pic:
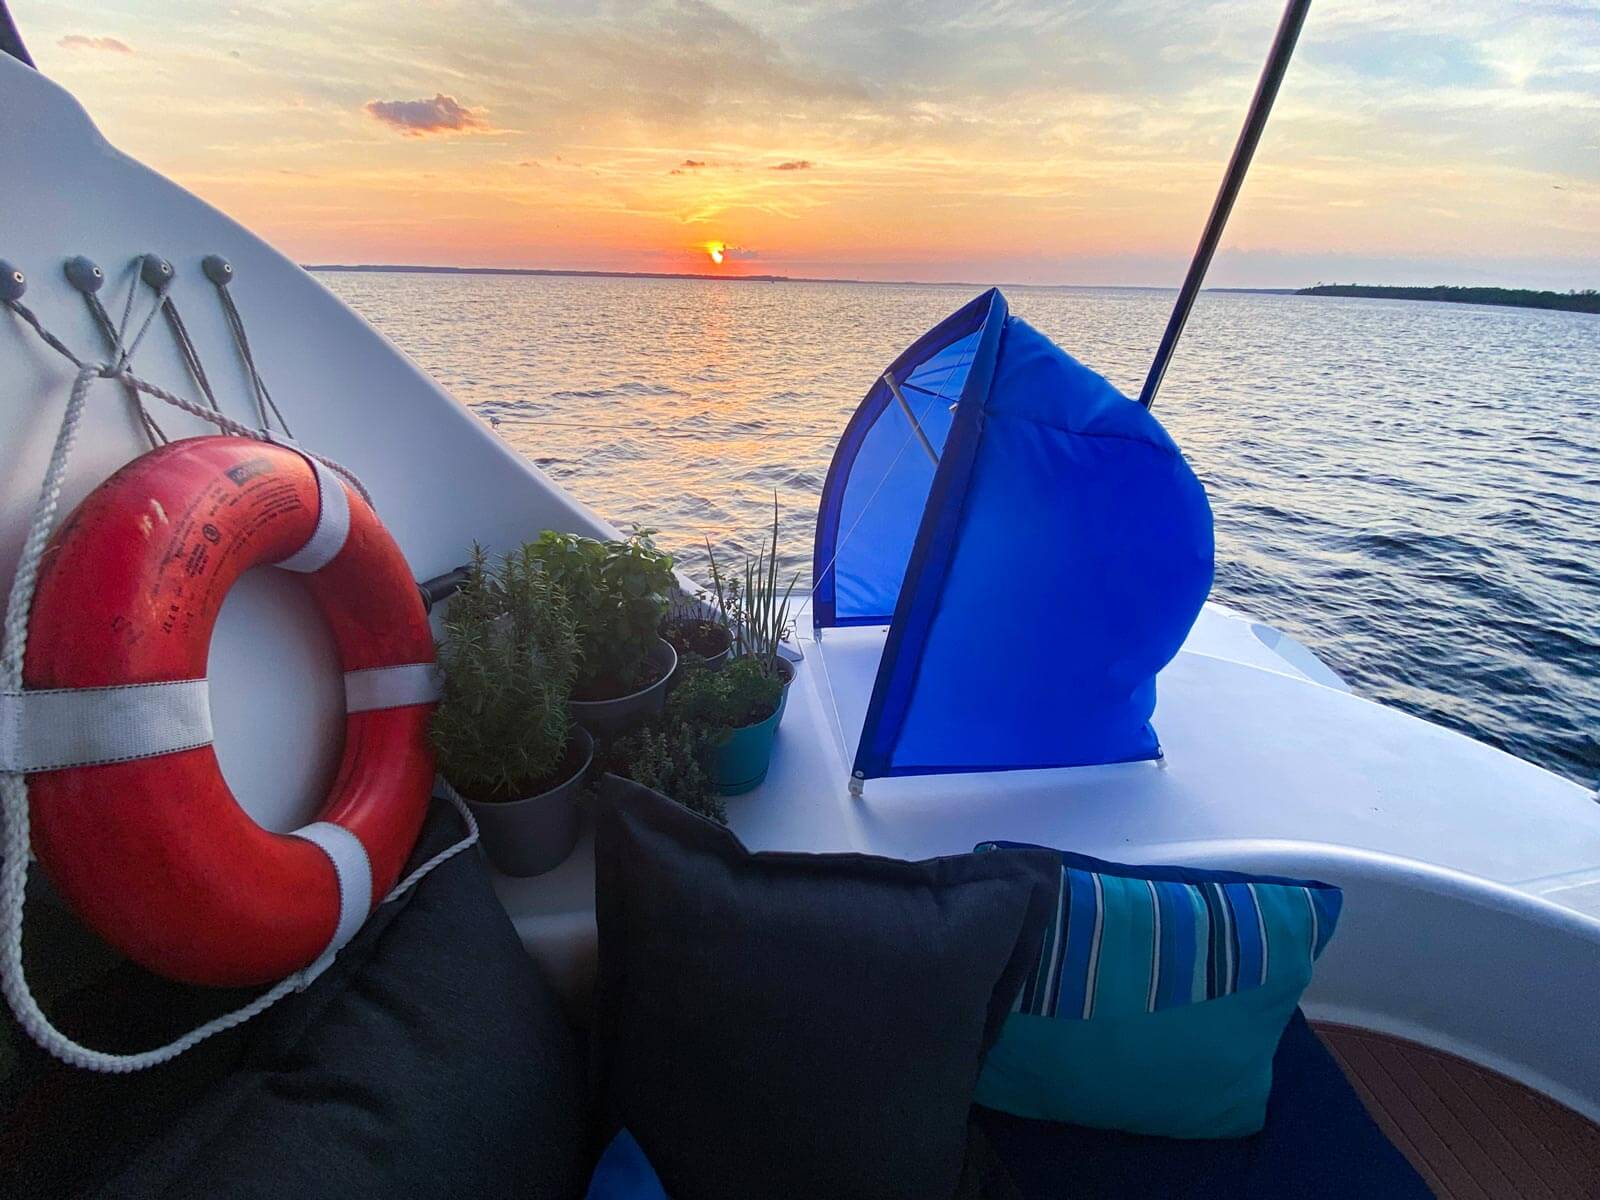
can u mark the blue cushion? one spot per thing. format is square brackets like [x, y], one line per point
[624, 1173]
[1318, 1143]
[1159, 998]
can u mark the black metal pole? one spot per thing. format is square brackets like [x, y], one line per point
[1294, 16]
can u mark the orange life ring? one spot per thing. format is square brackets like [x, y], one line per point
[150, 847]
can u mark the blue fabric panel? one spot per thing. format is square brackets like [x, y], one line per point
[1248, 933]
[1318, 1143]
[1177, 945]
[1074, 955]
[888, 487]
[624, 1173]
[1064, 554]
[886, 475]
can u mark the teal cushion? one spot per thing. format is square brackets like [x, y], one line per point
[1158, 999]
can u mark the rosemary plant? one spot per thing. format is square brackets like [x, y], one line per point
[510, 654]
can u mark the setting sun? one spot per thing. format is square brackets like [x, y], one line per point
[715, 250]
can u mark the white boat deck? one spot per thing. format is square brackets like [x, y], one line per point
[1255, 752]
[1267, 769]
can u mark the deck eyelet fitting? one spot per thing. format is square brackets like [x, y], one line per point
[12, 282]
[217, 269]
[83, 274]
[156, 271]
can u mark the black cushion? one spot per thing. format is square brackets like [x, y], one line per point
[429, 1060]
[798, 1025]
[1319, 1143]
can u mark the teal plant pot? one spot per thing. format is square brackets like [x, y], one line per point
[743, 759]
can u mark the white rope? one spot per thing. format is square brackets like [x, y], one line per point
[228, 424]
[411, 880]
[14, 844]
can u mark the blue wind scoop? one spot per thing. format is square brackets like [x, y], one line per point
[1035, 541]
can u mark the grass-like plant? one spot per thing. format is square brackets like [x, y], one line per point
[618, 592]
[510, 654]
[752, 605]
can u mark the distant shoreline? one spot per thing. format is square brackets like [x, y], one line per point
[1584, 302]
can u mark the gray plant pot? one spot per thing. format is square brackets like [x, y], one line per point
[535, 834]
[720, 660]
[717, 661]
[605, 718]
[710, 664]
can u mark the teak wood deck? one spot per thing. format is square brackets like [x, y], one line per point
[1473, 1134]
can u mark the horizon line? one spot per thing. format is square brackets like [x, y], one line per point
[425, 269]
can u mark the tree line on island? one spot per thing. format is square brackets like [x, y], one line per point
[1587, 301]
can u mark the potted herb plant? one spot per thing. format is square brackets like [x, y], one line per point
[752, 607]
[694, 626]
[737, 710]
[618, 592]
[674, 757]
[748, 698]
[502, 730]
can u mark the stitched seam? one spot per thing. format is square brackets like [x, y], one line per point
[84, 691]
[106, 762]
[366, 860]
[12, 746]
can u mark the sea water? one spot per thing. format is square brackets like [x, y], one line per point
[1411, 489]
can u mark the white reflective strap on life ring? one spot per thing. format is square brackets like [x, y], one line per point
[333, 524]
[392, 687]
[50, 729]
[354, 872]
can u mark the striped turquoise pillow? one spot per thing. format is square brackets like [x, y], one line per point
[1158, 999]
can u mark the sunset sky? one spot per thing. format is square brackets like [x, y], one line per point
[985, 140]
